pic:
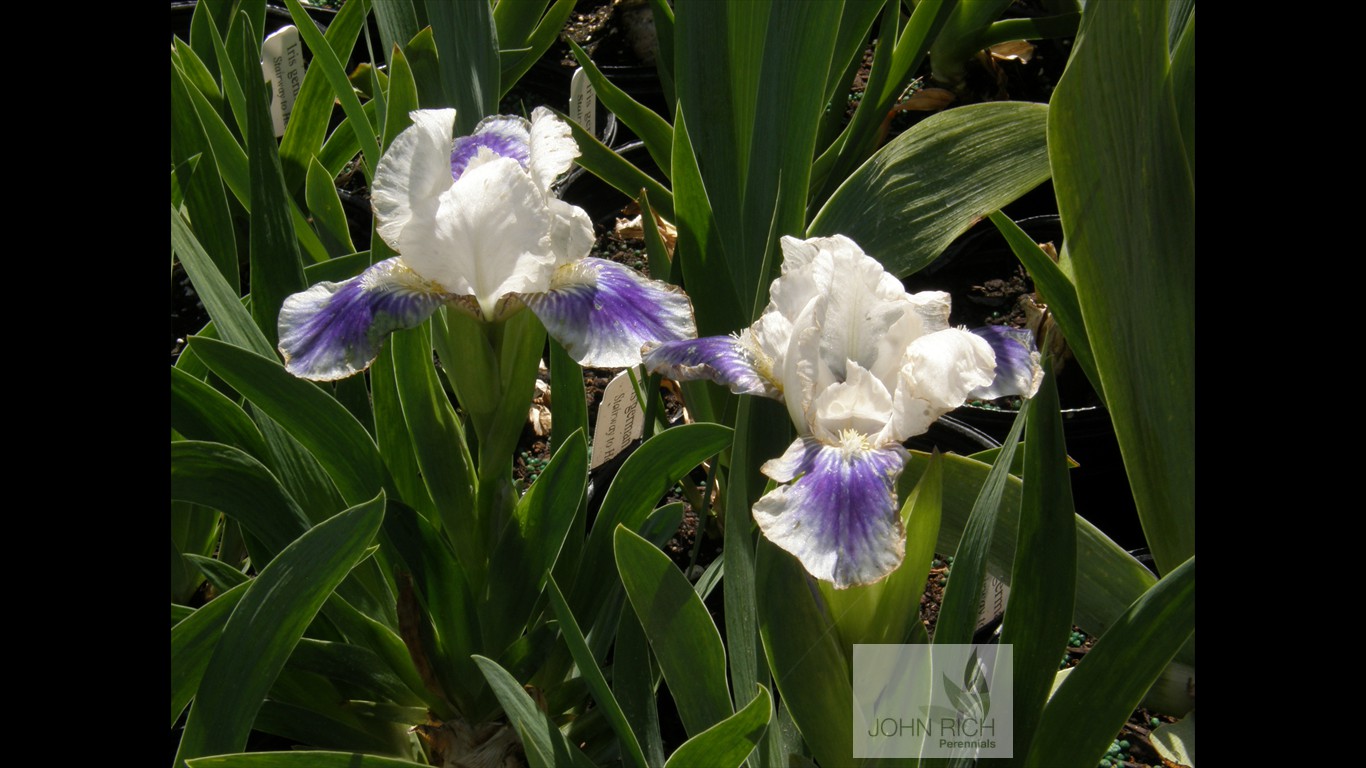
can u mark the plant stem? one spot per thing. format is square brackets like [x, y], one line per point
[1039, 27]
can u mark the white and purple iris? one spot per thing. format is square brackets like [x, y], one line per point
[862, 366]
[477, 228]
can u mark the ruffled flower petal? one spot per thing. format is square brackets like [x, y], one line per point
[494, 137]
[489, 238]
[411, 176]
[802, 370]
[553, 149]
[860, 404]
[861, 295]
[474, 222]
[603, 312]
[932, 308]
[571, 232]
[731, 361]
[940, 370]
[334, 330]
[840, 518]
[927, 312]
[1017, 363]
[803, 277]
[944, 367]
[466, 213]
[862, 365]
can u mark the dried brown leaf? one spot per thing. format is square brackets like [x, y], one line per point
[1014, 50]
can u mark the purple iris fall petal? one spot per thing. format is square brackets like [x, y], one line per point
[1017, 363]
[726, 360]
[840, 518]
[334, 330]
[603, 312]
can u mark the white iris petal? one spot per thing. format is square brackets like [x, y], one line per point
[862, 366]
[861, 349]
[475, 221]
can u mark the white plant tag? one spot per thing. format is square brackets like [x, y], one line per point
[994, 597]
[583, 102]
[620, 420]
[282, 65]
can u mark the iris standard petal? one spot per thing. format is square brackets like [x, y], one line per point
[840, 518]
[730, 361]
[412, 175]
[800, 281]
[861, 296]
[494, 137]
[553, 148]
[490, 237]
[603, 312]
[334, 330]
[1017, 363]
[932, 308]
[928, 312]
[802, 373]
[571, 231]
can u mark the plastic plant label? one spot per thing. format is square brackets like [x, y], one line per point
[993, 604]
[282, 65]
[1175, 742]
[583, 102]
[946, 701]
[620, 420]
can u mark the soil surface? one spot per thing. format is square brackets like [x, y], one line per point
[1131, 747]
[598, 27]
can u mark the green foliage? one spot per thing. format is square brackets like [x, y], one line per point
[926, 187]
[273, 613]
[1056, 289]
[730, 741]
[1126, 192]
[307, 126]
[276, 271]
[805, 656]
[597, 683]
[439, 589]
[681, 633]
[545, 745]
[1078, 724]
[958, 614]
[322, 424]
[644, 479]
[1043, 577]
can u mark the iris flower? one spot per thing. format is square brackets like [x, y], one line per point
[862, 366]
[477, 228]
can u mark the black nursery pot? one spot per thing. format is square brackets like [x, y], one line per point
[599, 199]
[984, 278]
[620, 47]
[950, 435]
[277, 16]
[640, 83]
[545, 87]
